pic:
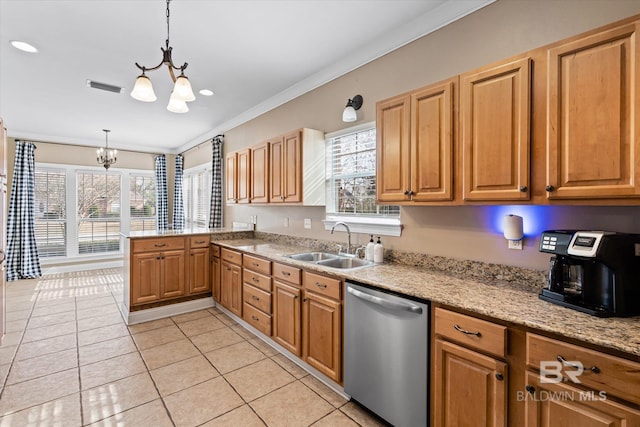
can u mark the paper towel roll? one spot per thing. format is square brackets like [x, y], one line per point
[512, 227]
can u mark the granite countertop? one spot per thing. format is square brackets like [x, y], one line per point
[511, 302]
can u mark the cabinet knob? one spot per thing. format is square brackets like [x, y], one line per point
[405, 192]
[411, 192]
[524, 189]
[549, 188]
[499, 376]
[282, 197]
[530, 389]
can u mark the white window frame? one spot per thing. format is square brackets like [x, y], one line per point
[189, 220]
[367, 224]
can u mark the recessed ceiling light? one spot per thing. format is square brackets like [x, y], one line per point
[206, 92]
[24, 46]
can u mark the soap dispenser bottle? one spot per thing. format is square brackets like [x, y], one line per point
[368, 252]
[378, 251]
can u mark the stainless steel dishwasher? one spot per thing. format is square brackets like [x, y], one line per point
[386, 341]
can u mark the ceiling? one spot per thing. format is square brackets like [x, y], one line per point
[254, 54]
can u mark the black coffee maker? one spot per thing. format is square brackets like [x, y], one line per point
[596, 272]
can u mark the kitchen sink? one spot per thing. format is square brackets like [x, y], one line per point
[326, 259]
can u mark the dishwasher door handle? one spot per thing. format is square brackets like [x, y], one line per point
[385, 303]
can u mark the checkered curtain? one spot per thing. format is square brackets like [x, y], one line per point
[162, 198]
[215, 216]
[178, 204]
[23, 261]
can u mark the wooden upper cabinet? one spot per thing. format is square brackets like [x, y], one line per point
[495, 134]
[286, 169]
[238, 176]
[593, 123]
[231, 183]
[393, 119]
[260, 173]
[276, 169]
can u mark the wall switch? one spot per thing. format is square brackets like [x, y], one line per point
[285, 222]
[515, 244]
[307, 223]
[254, 219]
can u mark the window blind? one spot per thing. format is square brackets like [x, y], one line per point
[51, 212]
[142, 199]
[98, 212]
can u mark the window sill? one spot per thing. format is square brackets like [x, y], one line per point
[377, 226]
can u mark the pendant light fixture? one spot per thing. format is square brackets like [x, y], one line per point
[182, 92]
[106, 157]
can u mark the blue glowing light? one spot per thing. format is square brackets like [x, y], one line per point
[535, 219]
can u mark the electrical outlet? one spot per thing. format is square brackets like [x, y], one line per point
[254, 219]
[307, 223]
[285, 222]
[515, 244]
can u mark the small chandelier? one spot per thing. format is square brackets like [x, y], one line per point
[182, 92]
[106, 157]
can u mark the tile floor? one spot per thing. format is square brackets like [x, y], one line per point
[68, 359]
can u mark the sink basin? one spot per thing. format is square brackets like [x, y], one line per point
[313, 256]
[345, 263]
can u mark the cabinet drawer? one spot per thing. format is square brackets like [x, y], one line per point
[199, 241]
[257, 280]
[257, 264]
[155, 245]
[231, 256]
[286, 273]
[257, 298]
[215, 250]
[322, 285]
[475, 333]
[257, 319]
[602, 372]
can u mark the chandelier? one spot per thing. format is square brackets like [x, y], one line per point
[182, 92]
[106, 156]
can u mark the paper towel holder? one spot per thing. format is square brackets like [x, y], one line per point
[512, 228]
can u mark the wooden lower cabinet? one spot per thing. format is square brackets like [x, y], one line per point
[172, 268]
[199, 271]
[231, 287]
[469, 388]
[322, 334]
[157, 275]
[287, 316]
[215, 269]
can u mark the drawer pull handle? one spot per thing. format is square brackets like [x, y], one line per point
[160, 245]
[255, 298]
[255, 318]
[255, 264]
[565, 362]
[459, 329]
[321, 285]
[255, 279]
[199, 242]
[286, 273]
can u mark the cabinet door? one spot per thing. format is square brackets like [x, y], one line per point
[469, 389]
[215, 271]
[561, 405]
[231, 287]
[322, 334]
[199, 271]
[173, 274]
[286, 313]
[292, 163]
[260, 173]
[593, 116]
[243, 178]
[230, 174]
[276, 170]
[494, 119]
[432, 110]
[393, 149]
[145, 277]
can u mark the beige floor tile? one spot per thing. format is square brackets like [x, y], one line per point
[104, 333]
[15, 325]
[64, 411]
[100, 321]
[289, 366]
[112, 398]
[6, 354]
[40, 366]
[52, 319]
[256, 380]
[97, 311]
[292, 405]
[214, 310]
[147, 326]
[184, 374]
[263, 347]
[201, 325]
[157, 337]
[361, 416]
[226, 319]
[37, 391]
[51, 331]
[216, 339]
[186, 406]
[53, 298]
[19, 306]
[11, 339]
[166, 354]
[110, 370]
[242, 416]
[94, 300]
[90, 292]
[4, 370]
[17, 315]
[23, 297]
[105, 350]
[324, 391]
[336, 418]
[46, 346]
[242, 332]
[230, 358]
[58, 308]
[186, 317]
[152, 414]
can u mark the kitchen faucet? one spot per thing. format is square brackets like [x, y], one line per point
[348, 234]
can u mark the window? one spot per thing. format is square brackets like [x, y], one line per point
[50, 212]
[196, 189]
[351, 186]
[142, 202]
[98, 212]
